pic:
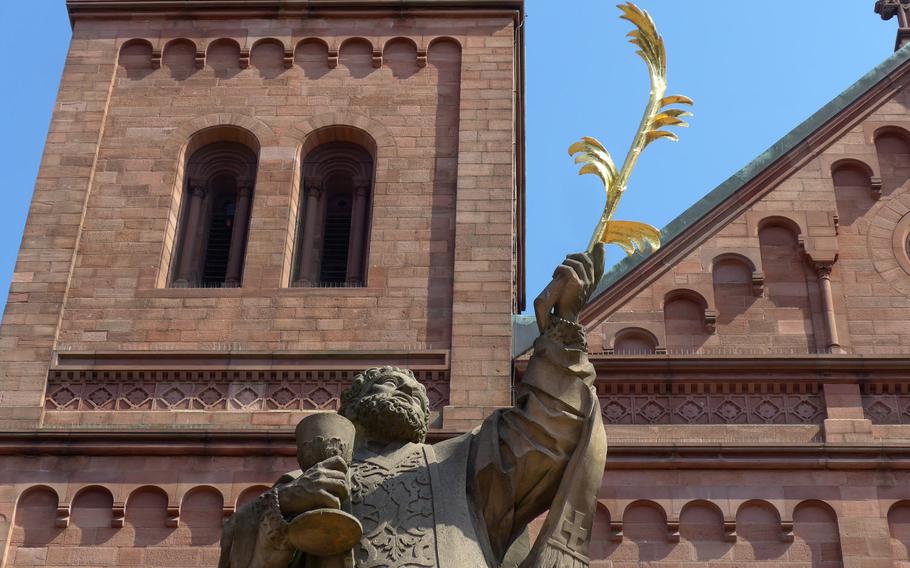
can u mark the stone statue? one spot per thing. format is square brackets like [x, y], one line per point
[464, 502]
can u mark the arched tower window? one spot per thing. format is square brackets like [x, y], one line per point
[334, 216]
[215, 216]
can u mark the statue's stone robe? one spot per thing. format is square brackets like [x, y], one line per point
[462, 502]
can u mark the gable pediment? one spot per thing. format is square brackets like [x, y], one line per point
[789, 255]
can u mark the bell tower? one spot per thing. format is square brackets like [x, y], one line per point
[240, 205]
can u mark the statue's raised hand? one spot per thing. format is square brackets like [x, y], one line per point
[573, 282]
[325, 485]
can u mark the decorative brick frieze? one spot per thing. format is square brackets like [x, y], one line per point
[886, 403]
[212, 390]
[707, 403]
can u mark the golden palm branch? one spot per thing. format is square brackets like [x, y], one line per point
[631, 235]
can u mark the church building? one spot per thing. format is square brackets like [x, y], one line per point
[241, 205]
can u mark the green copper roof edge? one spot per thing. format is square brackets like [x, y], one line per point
[520, 324]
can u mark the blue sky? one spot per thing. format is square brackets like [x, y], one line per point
[755, 71]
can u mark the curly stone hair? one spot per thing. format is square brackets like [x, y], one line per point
[364, 381]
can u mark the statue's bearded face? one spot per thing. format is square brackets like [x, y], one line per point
[389, 404]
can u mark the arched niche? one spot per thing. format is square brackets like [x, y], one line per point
[223, 56]
[179, 56]
[146, 513]
[705, 520]
[356, 54]
[335, 208]
[92, 514]
[135, 58]
[899, 529]
[312, 55]
[267, 56]
[787, 279]
[852, 182]
[701, 528]
[815, 527]
[202, 515]
[603, 545]
[215, 209]
[644, 527]
[758, 526]
[892, 144]
[734, 280]
[444, 56]
[35, 522]
[249, 494]
[685, 314]
[634, 341]
[400, 55]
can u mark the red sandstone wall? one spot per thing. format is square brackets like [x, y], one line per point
[93, 266]
[751, 287]
[168, 512]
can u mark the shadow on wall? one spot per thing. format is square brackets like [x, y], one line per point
[852, 182]
[36, 515]
[223, 57]
[180, 58]
[146, 515]
[136, 59]
[684, 320]
[733, 295]
[91, 516]
[760, 540]
[400, 55]
[892, 144]
[445, 61]
[312, 55]
[357, 55]
[786, 280]
[202, 513]
[267, 56]
[899, 527]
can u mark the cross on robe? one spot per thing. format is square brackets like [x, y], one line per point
[576, 532]
[887, 9]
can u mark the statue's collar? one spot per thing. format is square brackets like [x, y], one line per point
[383, 454]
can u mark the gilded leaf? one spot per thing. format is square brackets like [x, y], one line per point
[630, 235]
[658, 134]
[665, 120]
[596, 158]
[676, 112]
[646, 37]
[676, 99]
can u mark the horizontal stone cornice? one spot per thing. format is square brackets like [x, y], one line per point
[621, 456]
[286, 8]
[767, 365]
[248, 360]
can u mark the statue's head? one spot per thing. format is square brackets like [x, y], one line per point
[389, 404]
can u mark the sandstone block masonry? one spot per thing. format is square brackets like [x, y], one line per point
[437, 96]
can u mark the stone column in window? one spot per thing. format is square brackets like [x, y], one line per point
[309, 271]
[356, 271]
[239, 232]
[189, 253]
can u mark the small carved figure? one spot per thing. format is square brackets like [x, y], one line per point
[464, 502]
